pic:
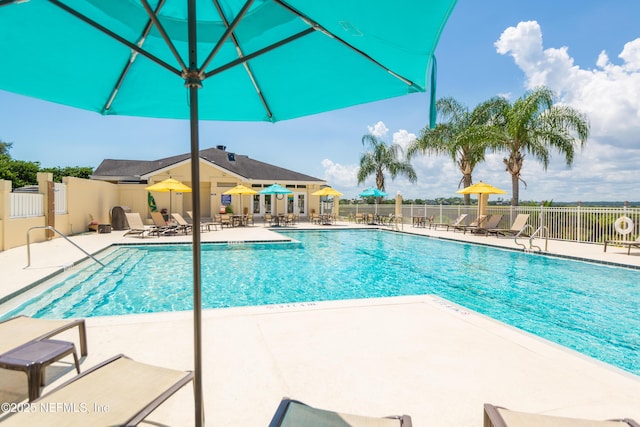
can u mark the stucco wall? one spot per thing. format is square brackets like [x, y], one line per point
[88, 199]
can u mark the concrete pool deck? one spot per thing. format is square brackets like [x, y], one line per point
[419, 355]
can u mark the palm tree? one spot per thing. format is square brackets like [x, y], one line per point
[464, 136]
[534, 125]
[383, 158]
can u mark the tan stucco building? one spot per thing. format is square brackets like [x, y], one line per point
[220, 170]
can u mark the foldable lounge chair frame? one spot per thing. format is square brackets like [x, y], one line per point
[24, 329]
[475, 224]
[495, 416]
[628, 243]
[518, 225]
[116, 382]
[455, 223]
[292, 413]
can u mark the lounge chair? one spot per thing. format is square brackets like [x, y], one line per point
[22, 329]
[495, 416]
[183, 225]
[516, 228]
[160, 224]
[136, 226]
[627, 243]
[292, 413]
[491, 223]
[475, 224]
[456, 222]
[117, 392]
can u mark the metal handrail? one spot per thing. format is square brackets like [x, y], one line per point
[546, 240]
[48, 227]
[515, 239]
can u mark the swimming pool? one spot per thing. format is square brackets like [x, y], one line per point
[587, 307]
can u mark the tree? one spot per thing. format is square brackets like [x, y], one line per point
[534, 125]
[383, 158]
[4, 147]
[19, 172]
[75, 171]
[463, 135]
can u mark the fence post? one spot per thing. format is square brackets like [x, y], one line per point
[579, 222]
[5, 211]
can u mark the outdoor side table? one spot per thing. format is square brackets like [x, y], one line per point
[32, 358]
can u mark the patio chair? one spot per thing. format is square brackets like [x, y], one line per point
[22, 329]
[136, 226]
[456, 222]
[292, 413]
[495, 416]
[127, 390]
[516, 228]
[627, 243]
[183, 225]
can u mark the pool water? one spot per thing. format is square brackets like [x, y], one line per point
[588, 307]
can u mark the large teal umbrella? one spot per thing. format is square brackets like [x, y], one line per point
[373, 192]
[218, 60]
[276, 190]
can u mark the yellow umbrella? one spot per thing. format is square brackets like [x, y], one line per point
[327, 191]
[169, 185]
[482, 189]
[240, 190]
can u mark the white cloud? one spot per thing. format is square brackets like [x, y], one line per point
[610, 96]
[379, 130]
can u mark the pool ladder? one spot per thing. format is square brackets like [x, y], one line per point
[48, 227]
[539, 233]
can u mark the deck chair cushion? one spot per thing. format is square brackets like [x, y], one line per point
[500, 417]
[131, 390]
[22, 329]
[292, 413]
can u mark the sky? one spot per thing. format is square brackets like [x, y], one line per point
[586, 51]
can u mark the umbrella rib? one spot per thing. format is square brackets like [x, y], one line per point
[133, 57]
[115, 36]
[163, 33]
[316, 26]
[227, 33]
[259, 52]
[246, 64]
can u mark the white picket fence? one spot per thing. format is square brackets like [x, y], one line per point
[25, 205]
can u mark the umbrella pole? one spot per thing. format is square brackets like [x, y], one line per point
[193, 82]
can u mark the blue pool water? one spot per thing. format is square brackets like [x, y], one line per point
[587, 307]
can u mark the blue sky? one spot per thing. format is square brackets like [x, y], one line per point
[586, 51]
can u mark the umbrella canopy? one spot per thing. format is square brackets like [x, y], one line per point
[373, 192]
[327, 191]
[255, 60]
[169, 185]
[482, 189]
[261, 60]
[275, 189]
[240, 190]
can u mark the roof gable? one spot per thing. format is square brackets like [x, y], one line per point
[237, 164]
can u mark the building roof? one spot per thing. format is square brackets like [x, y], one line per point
[241, 165]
